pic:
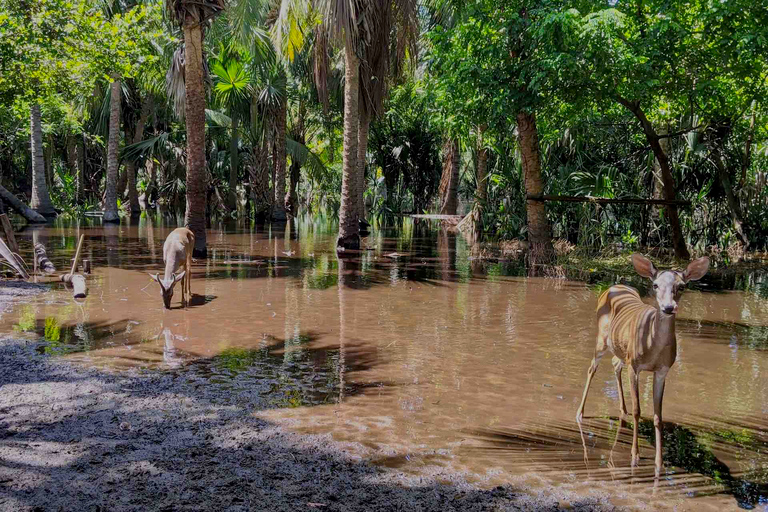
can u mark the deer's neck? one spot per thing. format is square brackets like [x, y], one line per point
[664, 328]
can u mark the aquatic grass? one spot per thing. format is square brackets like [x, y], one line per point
[27, 319]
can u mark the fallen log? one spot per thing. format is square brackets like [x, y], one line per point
[25, 211]
[77, 282]
[42, 261]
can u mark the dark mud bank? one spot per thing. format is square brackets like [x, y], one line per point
[88, 439]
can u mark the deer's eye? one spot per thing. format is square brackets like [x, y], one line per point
[655, 286]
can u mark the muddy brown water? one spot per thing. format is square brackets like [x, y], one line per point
[426, 358]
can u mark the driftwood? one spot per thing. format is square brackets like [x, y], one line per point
[42, 261]
[10, 257]
[27, 212]
[77, 282]
[605, 200]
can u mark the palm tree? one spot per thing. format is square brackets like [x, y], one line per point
[449, 181]
[41, 201]
[232, 85]
[110, 206]
[191, 15]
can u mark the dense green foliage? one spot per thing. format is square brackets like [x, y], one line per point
[607, 82]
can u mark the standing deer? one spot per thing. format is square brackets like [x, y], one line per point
[641, 337]
[177, 253]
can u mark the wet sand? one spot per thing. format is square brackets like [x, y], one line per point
[421, 361]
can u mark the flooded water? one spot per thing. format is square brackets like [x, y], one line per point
[426, 357]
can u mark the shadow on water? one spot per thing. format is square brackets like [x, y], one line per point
[693, 456]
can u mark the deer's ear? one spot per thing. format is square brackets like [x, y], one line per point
[696, 269]
[179, 277]
[643, 266]
[156, 277]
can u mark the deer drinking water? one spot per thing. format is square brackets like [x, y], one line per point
[641, 337]
[177, 253]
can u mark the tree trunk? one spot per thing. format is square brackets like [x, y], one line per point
[110, 207]
[678, 240]
[475, 234]
[233, 161]
[449, 181]
[349, 228]
[48, 157]
[540, 250]
[79, 177]
[364, 124]
[130, 167]
[259, 175]
[278, 205]
[292, 197]
[194, 106]
[733, 202]
[14, 202]
[747, 161]
[41, 201]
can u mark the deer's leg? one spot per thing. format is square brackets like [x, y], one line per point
[599, 352]
[618, 366]
[633, 385]
[659, 379]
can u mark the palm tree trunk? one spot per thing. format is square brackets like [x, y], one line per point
[110, 207]
[133, 194]
[349, 228]
[364, 125]
[41, 201]
[233, 161]
[194, 106]
[259, 174]
[678, 240]
[475, 224]
[449, 181]
[278, 205]
[292, 197]
[14, 202]
[540, 251]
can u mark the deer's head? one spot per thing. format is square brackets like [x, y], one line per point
[668, 285]
[166, 286]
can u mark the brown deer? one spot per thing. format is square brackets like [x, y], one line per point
[177, 253]
[641, 337]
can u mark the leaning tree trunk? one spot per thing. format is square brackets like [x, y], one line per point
[540, 251]
[110, 213]
[41, 201]
[233, 161]
[194, 106]
[362, 148]
[678, 240]
[278, 204]
[733, 202]
[449, 181]
[130, 167]
[14, 202]
[259, 175]
[349, 228]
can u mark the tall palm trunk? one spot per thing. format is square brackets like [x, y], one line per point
[110, 206]
[449, 181]
[278, 204]
[541, 251]
[233, 162]
[194, 106]
[349, 228]
[364, 125]
[259, 175]
[41, 201]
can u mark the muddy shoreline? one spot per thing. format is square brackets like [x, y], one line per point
[90, 439]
